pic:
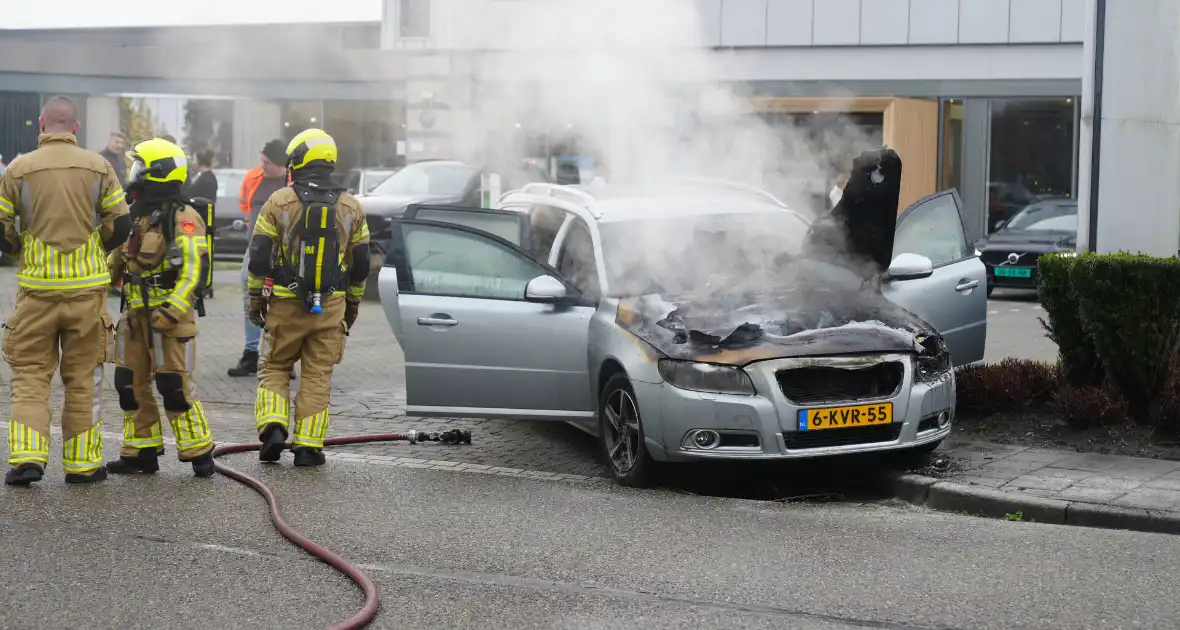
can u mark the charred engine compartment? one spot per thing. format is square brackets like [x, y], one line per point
[828, 302]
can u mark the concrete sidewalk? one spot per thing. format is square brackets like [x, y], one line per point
[1046, 485]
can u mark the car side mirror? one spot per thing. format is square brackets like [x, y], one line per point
[545, 290]
[910, 267]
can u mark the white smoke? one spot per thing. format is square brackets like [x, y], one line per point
[636, 83]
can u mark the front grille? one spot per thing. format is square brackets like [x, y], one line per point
[842, 437]
[812, 385]
[998, 257]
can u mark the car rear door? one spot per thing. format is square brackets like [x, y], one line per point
[954, 298]
[474, 347]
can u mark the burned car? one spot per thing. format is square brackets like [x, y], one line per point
[694, 321]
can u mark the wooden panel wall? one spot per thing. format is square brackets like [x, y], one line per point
[911, 129]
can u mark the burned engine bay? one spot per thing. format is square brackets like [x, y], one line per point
[826, 300]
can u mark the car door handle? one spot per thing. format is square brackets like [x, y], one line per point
[442, 320]
[966, 285]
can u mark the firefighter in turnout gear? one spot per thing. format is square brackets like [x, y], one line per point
[309, 259]
[163, 267]
[61, 210]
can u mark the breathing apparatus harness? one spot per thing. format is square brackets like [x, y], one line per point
[161, 212]
[315, 270]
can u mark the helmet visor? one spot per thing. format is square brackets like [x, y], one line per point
[138, 172]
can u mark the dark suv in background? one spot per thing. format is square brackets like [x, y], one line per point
[441, 182]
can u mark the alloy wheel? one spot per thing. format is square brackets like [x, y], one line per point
[622, 430]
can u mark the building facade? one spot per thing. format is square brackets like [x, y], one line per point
[977, 95]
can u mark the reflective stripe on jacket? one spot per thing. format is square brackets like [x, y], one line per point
[57, 206]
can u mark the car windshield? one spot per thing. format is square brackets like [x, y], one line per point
[375, 178]
[427, 179]
[1043, 216]
[679, 255]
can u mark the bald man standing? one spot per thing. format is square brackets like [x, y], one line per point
[61, 211]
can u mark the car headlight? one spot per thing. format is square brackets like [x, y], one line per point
[934, 362]
[705, 377]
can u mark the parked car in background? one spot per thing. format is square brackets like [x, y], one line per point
[1005, 199]
[362, 181]
[594, 305]
[443, 182]
[1011, 252]
[231, 241]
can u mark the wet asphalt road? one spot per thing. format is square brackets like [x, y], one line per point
[461, 550]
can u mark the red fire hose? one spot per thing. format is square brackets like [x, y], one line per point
[321, 553]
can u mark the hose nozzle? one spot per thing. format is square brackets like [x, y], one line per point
[452, 436]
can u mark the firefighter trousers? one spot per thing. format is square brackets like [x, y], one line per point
[142, 356]
[316, 341]
[50, 331]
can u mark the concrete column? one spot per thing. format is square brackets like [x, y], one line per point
[102, 118]
[1129, 196]
[255, 124]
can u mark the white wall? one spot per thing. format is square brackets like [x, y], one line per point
[1139, 130]
[473, 24]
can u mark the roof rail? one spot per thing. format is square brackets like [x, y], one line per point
[552, 190]
[731, 185]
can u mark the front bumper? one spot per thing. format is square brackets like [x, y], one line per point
[764, 426]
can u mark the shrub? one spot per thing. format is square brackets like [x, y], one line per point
[1010, 385]
[1079, 362]
[1086, 406]
[1130, 311]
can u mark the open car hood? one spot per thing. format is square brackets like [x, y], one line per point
[738, 330]
[828, 302]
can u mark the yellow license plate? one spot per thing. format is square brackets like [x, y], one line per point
[845, 417]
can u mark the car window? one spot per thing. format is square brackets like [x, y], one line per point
[544, 221]
[576, 261]
[353, 182]
[505, 226]
[933, 229]
[445, 261]
[428, 178]
[1045, 216]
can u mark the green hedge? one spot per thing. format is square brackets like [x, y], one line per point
[1129, 306]
[1079, 362]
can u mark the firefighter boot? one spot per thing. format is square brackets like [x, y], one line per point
[23, 475]
[273, 439]
[203, 465]
[307, 456]
[147, 460]
[247, 365]
[98, 475]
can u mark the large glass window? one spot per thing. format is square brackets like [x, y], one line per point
[1032, 154]
[414, 18]
[18, 123]
[300, 115]
[209, 124]
[368, 134]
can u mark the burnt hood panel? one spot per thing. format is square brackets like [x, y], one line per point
[802, 322]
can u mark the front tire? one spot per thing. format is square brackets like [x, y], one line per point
[622, 437]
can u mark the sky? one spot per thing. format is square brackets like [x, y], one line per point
[32, 14]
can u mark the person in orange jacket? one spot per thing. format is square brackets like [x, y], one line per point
[257, 186]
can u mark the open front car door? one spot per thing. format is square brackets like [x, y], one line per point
[487, 331]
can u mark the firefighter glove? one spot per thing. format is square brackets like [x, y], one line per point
[163, 319]
[257, 309]
[351, 310]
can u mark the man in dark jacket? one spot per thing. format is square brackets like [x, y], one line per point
[114, 153]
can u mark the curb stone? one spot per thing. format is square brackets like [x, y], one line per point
[948, 496]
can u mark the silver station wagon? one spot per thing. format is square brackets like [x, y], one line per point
[691, 321]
